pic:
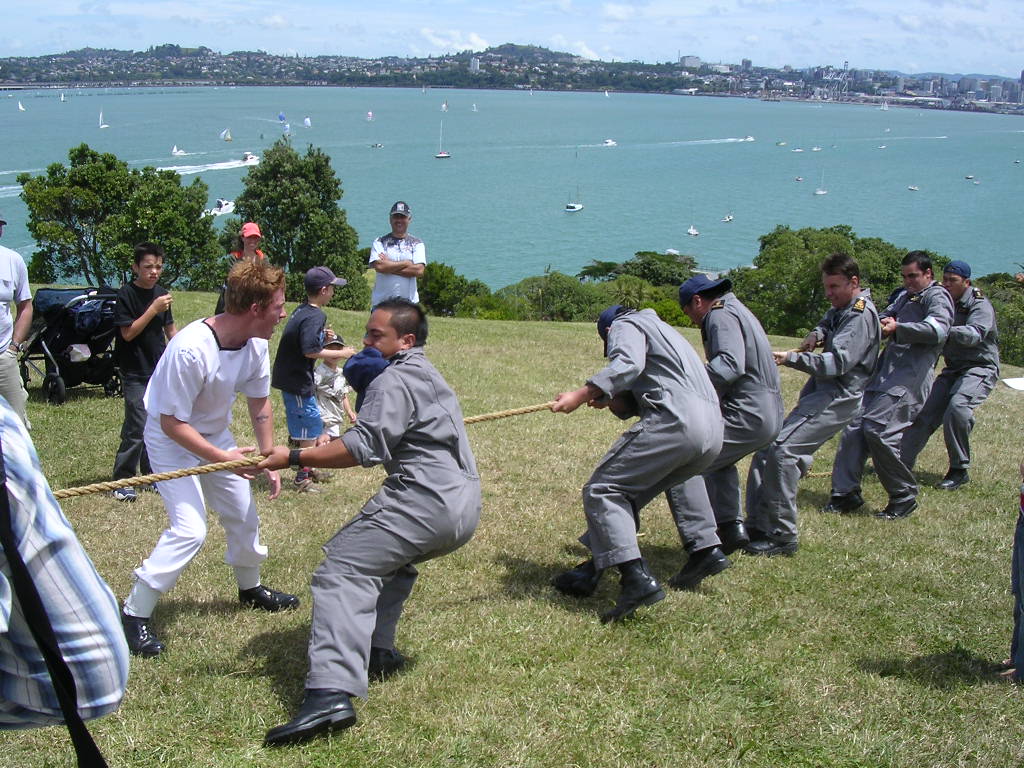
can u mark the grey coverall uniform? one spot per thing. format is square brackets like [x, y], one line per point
[743, 372]
[895, 393]
[972, 369]
[678, 435]
[828, 402]
[429, 505]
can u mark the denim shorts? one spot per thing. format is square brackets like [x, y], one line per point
[303, 416]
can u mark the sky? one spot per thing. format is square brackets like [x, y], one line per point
[950, 36]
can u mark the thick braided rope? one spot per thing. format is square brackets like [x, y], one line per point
[203, 469]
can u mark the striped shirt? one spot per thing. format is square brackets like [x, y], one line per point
[80, 605]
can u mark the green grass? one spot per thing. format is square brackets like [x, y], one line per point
[874, 646]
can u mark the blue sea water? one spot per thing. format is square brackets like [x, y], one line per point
[494, 211]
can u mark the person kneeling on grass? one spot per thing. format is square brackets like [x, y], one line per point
[188, 405]
[429, 505]
[678, 436]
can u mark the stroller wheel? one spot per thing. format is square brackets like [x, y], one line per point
[54, 389]
[112, 386]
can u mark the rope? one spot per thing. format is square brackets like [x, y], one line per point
[202, 469]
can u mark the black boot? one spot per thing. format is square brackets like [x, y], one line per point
[384, 662]
[733, 536]
[322, 710]
[702, 563]
[141, 639]
[638, 587]
[580, 581]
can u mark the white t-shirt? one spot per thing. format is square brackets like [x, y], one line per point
[196, 379]
[389, 247]
[13, 287]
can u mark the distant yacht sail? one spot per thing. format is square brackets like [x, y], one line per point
[441, 153]
[287, 129]
[307, 122]
[444, 106]
[225, 134]
[475, 109]
[102, 124]
[369, 116]
[62, 99]
[21, 107]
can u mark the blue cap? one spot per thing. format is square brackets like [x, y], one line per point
[604, 322]
[362, 368]
[699, 284]
[958, 267]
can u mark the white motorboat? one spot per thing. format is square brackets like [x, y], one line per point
[609, 143]
[727, 218]
[914, 188]
[797, 149]
[248, 158]
[378, 145]
[692, 231]
[573, 207]
[221, 208]
[815, 149]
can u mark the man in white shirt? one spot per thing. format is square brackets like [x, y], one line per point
[13, 330]
[398, 258]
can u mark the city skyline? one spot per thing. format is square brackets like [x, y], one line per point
[952, 36]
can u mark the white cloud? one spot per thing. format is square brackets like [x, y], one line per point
[454, 40]
[618, 11]
[277, 21]
[910, 23]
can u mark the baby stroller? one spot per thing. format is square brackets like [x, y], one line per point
[72, 341]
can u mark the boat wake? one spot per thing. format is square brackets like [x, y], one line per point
[10, 191]
[743, 140]
[184, 170]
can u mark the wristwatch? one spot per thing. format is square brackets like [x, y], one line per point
[293, 457]
[18, 345]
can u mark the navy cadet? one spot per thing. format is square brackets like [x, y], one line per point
[743, 373]
[652, 372]
[849, 335]
[429, 505]
[971, 371]
[916, 324]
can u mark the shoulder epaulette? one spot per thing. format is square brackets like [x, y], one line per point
[859, 305]
[717, 305]
[978, 294]
[915, 297]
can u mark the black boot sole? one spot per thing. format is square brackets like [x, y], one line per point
[625, 610]
[334, 722]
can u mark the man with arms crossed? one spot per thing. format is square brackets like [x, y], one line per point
[849, 334]
[398, 258]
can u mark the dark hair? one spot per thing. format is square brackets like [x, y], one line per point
[251, 283]
[406, 317]
[840, 264]
[920, 258]
[142, 250]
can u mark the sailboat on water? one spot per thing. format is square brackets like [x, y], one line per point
[226, 134]
[21, 107]
[575, 205]
[102, 124]
[441, 153]
[178, 152]
[62, 99]
[821, 189]
[307, 122]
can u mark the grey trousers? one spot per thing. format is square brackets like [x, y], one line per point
[951, 403]
[775, 471]
[131, 455]
[721, 480]
[367, 575]
[877, 432]
[648, 459]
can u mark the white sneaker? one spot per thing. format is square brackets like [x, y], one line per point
[124, 494]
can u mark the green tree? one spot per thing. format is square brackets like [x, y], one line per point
[294, 198]
[87, 216]
[660, 268]
[557, 296]
[442, 289]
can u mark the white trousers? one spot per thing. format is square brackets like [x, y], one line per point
[185, 498]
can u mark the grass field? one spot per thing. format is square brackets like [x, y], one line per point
[873, 646]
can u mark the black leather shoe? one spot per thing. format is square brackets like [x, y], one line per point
[639, 587]
[897, 510]
[733, 536]
[771, 547]
[322, 710]
[140, 638]
[703, 563]
[267, 599]
[384, 662]
[954, 479]
[580, 581]
[840, 502]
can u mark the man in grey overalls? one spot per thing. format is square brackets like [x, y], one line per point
[743, 373]
[916, 324]
[654, 373]
[429, 505]
[972, 369]
[849, 334]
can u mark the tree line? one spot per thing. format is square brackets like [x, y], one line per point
[87, 215]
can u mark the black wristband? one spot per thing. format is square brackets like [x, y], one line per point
[293, 457]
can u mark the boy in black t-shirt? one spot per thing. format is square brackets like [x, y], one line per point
[145, 323]
[302, 344]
